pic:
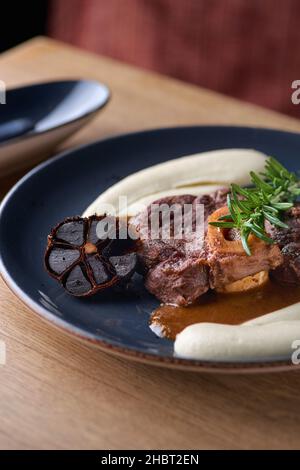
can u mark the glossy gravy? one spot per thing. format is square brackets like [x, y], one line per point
[231, 309]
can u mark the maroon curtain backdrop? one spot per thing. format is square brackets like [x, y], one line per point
[244, 48]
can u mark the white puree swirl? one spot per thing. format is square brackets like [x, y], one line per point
[269, 336]
[266, 337]
[195, 174]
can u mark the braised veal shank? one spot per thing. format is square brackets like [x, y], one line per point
[179, 271]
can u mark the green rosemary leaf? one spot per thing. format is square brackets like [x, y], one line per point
[296, 191]
[243, 206]
[273, 192]
[260, 183]
[244, 239]
[284, 173]
[239, 190]
[223, 224]
[278, 190]
[275, 220]
[282, 206]
[262, 236]
[272, 209]
[231, 210]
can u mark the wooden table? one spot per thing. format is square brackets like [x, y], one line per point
[58, 393]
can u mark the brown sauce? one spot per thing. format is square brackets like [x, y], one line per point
[231, 309]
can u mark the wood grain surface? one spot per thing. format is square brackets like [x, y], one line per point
[56, 392]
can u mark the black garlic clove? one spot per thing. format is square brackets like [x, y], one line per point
[84, 260]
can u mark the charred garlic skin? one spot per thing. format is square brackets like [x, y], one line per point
[85, 264]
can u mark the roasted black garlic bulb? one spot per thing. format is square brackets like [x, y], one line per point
[86, 259]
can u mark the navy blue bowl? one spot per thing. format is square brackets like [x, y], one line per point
[65, 186]
[38, 117]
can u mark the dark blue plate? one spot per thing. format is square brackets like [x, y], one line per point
[65, 186]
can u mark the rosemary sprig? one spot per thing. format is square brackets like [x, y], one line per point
[272, 193]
